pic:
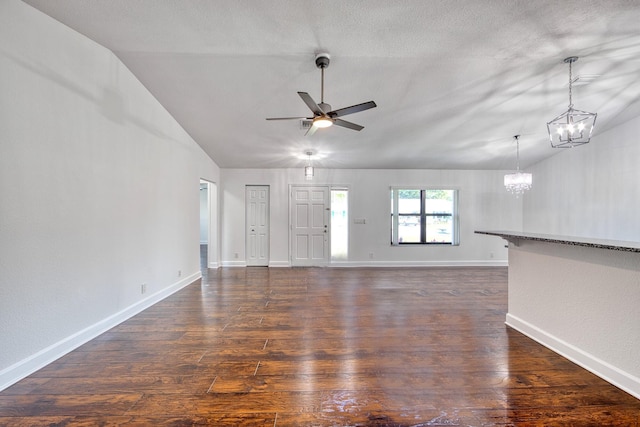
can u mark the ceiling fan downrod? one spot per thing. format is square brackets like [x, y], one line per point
[322, 62]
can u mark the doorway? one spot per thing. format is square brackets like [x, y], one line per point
[257, 223]
[309, 218]
[208, 225]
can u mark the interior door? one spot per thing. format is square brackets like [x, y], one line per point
[257, 222]
[309, 219]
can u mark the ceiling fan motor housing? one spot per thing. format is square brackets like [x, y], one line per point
[322, 60]
[324, 107]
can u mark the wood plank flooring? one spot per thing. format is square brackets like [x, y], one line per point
[320, 347]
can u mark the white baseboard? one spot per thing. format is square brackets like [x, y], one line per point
[14, 373]
[342, 264]
[233, 264]
[603, 369]
[419, 264]
[279, 264]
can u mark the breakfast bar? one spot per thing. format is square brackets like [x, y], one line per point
[579, 297]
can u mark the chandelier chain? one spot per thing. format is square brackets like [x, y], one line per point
[517, 153]
[570, 86]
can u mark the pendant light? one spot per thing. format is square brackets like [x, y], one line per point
[519, 182]
[573, 127]
[308, 170]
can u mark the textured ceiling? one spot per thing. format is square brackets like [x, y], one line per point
[453, 80]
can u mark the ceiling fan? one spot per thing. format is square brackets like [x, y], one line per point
[323, 116]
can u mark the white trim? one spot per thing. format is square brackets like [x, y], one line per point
[19, 370]
[250, 229]
[233, 264]
[606, 371]
[279, 264]
[384, 264]
[213, 264]
[327, 215]
[408, 264]
[395, 216]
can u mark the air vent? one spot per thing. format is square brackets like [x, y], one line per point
[305, 124]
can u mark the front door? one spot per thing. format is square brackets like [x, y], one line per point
[309, 219]
[257, 240]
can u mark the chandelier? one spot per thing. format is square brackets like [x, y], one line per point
[519, 182]
[573, 127]
[308, 170]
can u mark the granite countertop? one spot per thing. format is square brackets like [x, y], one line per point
[616, 245]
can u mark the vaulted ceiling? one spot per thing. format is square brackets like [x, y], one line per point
[454, 80]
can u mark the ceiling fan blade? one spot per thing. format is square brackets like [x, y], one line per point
[289, 118]
[312, 129]
[311, 103]
[346, 124]
[353, 109]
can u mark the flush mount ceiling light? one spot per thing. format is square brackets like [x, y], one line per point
[308, 170]
[573, 127]
[519, 182]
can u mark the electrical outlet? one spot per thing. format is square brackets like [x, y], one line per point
[179, 273]
[490, 254]
[235, 255]
[370, 255]
[143, 288]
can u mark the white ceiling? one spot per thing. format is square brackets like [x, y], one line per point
[454, 80]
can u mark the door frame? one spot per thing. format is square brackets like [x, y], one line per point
[248, 262]
[212, 222]
[327, 218]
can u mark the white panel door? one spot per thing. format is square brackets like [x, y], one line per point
[309, 226]
[257, 220]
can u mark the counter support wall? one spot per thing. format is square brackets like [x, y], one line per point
[580, 300]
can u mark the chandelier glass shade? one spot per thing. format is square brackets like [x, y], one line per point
[308, 170]
[518, 182]
[573, 127]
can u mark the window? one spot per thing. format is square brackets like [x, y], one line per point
[339, 224]
[424, 216]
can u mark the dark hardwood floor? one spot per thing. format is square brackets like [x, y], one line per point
[320, 347]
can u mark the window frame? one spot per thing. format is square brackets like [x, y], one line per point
[333, 258]
[455, 221]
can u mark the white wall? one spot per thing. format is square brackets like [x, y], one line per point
[589, 191]
[98, 192]
[483, 204]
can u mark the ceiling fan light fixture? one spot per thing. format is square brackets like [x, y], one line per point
[323, 115]
[322, 122]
